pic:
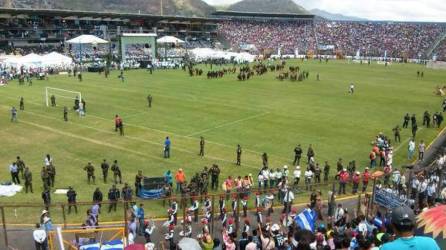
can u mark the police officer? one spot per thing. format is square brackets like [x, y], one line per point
[149, 100]
[413, 120]
[326, 171]
[90, 172]
[51, 174]
[65, 113]
[239, 155]
[406, 120]
[97, 196]
[71, 195]
[297, 155]
[45, 178]
[426, 119]
[53, 101]
[20, 165]
[138, 182]
[116, 172]
[310, 153]
[46, 197]
[265, 159]
[215, 172]
[126, 193]
[22, 104]
[28, 180]
[396, 133]
[201, 147]
[105, 167]
[113, 197]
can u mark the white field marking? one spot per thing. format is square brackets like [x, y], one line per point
[167, 132]
[134, 114]
[229, 124]
[128, 137]
[405, 141]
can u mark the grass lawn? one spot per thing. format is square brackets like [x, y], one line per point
[262, 114]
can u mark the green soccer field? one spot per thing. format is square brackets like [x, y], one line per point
[262, 114]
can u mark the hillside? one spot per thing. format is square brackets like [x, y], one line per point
[335, 16]
[170, 7]
[268, 6]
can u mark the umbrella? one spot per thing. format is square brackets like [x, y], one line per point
[87, 39]
[169, 39]
[189, 244]
[377, 174]
[432, 223]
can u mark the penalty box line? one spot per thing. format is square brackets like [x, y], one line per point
[110, 145]
[228, 124]
[162, 131]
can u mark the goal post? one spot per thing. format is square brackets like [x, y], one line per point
[61, 93]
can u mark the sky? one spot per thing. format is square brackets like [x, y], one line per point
[396, 10]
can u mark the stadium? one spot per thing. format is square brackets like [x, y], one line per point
[262, 124]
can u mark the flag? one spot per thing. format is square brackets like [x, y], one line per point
[95, 246]
[306, 219]
[113, 245]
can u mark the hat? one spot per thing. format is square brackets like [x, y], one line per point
[180, 169]
[366, 168]
[403, 216]
[344, 169]
[358, 173]
[297, 167]
[250, 175]
[44, 212]
[285, 167]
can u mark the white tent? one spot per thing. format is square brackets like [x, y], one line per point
[31, 59]
[87, 39]
[56, 59]
[169, 39]
[203, 54]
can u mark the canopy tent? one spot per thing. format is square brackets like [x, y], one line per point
[203, 54]
[56, 59]
[87, 39]
[32, 60]
[169, 39]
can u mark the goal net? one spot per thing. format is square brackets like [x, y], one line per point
[56, 94]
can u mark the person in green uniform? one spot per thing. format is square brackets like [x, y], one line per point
[28, 180]
[201, 146]
[90, 173]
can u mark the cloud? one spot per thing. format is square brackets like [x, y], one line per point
[397, 10]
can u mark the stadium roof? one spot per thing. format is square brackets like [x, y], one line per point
[91, 15]
[258, 14]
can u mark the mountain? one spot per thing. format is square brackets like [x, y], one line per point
[335, 16]
[268, 6]
[170, 7]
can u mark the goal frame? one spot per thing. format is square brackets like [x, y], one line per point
[47, 96]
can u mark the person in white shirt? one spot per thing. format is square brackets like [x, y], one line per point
[40, 240]
[288, 197]
[286, 172]
[266, 175]
[296, 175]
[411, 149]
[272, 178]
[260, 180]
[48, 160]
[308, 176]
[351, 89]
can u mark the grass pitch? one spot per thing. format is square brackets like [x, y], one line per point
[262, 114]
